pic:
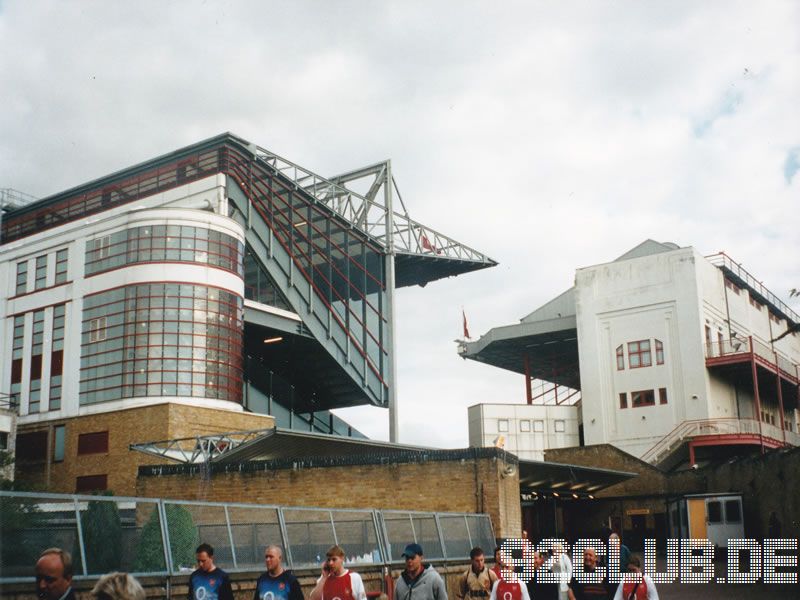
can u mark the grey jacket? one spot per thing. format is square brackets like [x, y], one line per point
[428, 586]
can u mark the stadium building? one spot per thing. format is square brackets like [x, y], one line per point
[218, 288]
[671, 356]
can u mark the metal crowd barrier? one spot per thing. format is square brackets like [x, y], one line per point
[149, 536]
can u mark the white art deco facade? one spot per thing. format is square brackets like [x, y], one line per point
[677, 357]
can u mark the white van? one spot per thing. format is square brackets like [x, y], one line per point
[716, 517]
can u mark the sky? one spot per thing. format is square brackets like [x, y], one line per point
[547, 135]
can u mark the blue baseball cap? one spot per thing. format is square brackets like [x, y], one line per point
[412, 550]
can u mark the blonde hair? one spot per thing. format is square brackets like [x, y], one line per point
[118, 586]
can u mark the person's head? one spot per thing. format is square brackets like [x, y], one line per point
[497, 557]
[477, 558]
[538, 560]
[205, 557]
[634, 564]
[589, 559]
[614, 537]
[413, 556]
[334, 560]
[273, 557]
[53, 574]
[118, 586]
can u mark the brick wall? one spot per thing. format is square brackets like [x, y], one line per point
[468, 485]
[130, 426]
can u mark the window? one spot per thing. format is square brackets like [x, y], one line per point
[560, 426]
[91, 483]
[659, 352]
[22, 277]
[639, 354]
[714, 510]
[620, 358]
[708, 338]
[61, 266]
[161, 340]
[643, 398]
[525, 425]
[93, 443]
[3, 440]
[623, 400]
[733, 511]
[58, 443]
[502, 425]
[662, 395]
[100, 246]
[57, 356]
[97, 329]
[732, 286]
[756, 304]
[32, 447]
[775, 318]
[16, 356]
[41, 272]
[538, 426]
[37, 342]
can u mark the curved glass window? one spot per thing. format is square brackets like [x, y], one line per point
[162, 339]
[164, 243]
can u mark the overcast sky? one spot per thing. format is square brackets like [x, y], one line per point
[548, 135]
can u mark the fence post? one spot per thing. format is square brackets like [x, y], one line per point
[162, 518]
[230, 536]
[80, 534]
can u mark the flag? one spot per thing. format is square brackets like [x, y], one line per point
[427, 245]
[466, 329]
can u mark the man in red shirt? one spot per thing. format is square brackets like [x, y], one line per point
[336, 582]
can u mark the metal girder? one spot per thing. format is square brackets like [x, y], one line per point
[367, 210]
[198, 449]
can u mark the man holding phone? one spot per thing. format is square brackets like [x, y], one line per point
[336, 581]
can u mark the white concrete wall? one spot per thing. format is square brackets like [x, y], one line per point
[529, 429]
[199, 204]
[672, 297]
[652, 297]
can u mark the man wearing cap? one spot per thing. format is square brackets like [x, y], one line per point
[418, 580]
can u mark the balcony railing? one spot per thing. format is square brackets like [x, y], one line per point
[744, 346]
[725, 262]
[701, 427]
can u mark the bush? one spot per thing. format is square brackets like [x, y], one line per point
[102, 536]
[183, 536]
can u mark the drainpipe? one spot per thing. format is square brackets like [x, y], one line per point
[780, 397]
[755, 393]
[528, 394]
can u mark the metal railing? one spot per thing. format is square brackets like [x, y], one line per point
[725, 262]
[743, 347]
[369, 211]
[150, 536]
[722, 426]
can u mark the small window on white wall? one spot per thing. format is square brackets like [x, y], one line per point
[538, 426]
[525, 425]
[560, 426]
[502, 425]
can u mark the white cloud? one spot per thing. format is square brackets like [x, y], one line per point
[548, 135]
